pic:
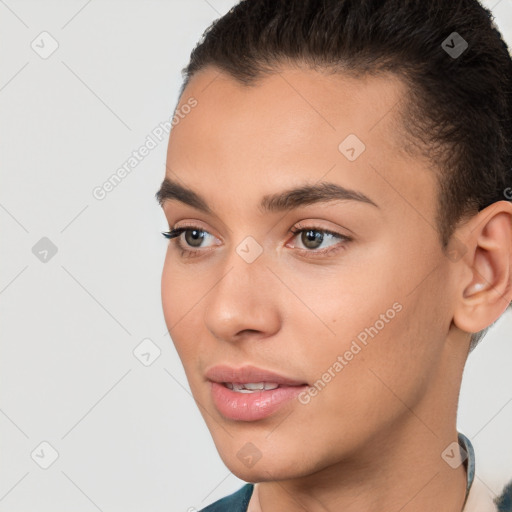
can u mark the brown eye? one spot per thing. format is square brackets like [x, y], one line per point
[196, 237]
[312, 238]
[191, 243]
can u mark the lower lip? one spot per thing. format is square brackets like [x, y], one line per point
[252, 406]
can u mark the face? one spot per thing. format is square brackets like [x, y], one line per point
[343, 295]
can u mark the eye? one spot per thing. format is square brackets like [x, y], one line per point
[194, 236]
[312, 237]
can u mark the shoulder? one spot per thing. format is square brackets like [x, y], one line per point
[236, 502]
[504, 502]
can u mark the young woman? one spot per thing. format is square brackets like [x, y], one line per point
[337, 191]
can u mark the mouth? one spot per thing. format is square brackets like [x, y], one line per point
[250, 393]
[250, 387]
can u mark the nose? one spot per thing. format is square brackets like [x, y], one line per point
[245, 301]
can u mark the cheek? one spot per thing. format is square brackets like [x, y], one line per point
[181, 308]
[170, 296]
[363, 338]
[342, 303]
[360, 387]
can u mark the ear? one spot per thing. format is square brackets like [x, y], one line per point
[486, 288]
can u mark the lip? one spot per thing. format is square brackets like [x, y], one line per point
[250, 406]
[245, 374]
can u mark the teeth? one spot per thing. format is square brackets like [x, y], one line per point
[254, 385]
[250, 387]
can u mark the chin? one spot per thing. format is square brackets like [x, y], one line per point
[264, 472]
[265, 465]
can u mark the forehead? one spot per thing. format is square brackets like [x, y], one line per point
[296, 103]
[293, 125]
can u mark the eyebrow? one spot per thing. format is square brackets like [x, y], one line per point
[278, 202]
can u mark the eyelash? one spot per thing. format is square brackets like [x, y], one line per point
[175, 234]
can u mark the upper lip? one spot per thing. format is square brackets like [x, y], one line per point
[245, 374]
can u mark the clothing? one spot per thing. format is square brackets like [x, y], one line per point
[236, 502]
[478, 496]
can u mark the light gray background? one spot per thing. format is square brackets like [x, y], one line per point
[129, 437]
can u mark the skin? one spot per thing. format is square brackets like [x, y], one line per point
[372, 438]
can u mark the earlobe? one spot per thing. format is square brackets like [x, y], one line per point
[488, 291]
